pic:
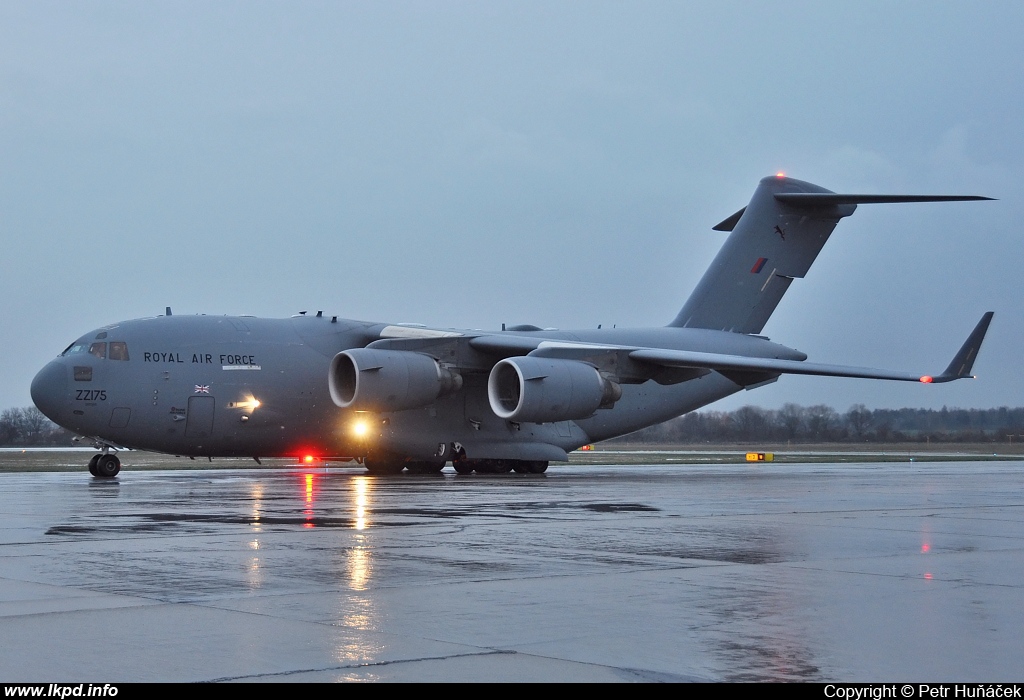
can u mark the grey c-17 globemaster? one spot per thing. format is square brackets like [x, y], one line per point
[410, 397]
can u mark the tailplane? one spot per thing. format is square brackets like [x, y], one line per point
[774, 240]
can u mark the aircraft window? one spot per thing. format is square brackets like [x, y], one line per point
[118, 350]
[83, 374]
[101, 335]
[72, 349]
[98, 349]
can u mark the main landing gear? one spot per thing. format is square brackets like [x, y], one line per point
[393, 465]
[500, 466]
[104, 465]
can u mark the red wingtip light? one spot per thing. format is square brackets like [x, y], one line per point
[926, 379]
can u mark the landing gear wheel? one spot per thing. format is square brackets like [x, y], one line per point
[383, 466]
[482, 466]
[503, 466]
[537, 467]
[424, 467]
[92, 464]
[107, 466]
[463, 466]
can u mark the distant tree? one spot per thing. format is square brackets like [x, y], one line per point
[821, 420]
[751, 423]
[10, 421]
[858, 421]
[790, 419]
[28, 427]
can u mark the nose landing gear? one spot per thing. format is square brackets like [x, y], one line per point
[104, 465]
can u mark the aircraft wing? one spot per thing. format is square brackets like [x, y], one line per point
[959, 368]
[735, 363]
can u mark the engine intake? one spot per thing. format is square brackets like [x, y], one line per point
[541, 390]
[388, 380]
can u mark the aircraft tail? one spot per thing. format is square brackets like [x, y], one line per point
[774, 240]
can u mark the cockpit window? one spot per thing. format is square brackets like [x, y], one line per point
[98, 349]
[118, 350]
[73, 349]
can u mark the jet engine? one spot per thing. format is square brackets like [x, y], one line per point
[388, 380]
[541, 390]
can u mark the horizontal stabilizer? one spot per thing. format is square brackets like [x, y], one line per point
[829, 199]
[730, 223]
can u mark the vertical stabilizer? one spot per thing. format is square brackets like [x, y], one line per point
[771, 243]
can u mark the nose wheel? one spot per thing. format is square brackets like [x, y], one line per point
[104, 466]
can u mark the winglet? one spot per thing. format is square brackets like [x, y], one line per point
[963, 361]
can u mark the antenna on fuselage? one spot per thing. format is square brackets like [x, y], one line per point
[167, 311]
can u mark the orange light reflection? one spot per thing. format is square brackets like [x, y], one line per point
[308, 512]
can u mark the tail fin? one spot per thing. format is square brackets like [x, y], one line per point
[774, 240]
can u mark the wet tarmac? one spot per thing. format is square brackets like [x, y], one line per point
[588, 573]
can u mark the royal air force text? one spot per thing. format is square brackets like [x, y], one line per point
[198, 358]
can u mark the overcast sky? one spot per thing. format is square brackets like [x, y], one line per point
[467, 164]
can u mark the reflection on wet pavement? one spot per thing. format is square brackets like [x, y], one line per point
[789, 572]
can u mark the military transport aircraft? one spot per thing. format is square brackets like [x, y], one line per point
[398, 396]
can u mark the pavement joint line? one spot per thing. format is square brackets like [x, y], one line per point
[910, 577]
[344, 667]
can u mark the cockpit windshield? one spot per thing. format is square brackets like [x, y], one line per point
[115, 350]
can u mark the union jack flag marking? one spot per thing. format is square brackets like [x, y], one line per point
[202, 389]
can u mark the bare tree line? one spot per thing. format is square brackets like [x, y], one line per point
[28, 427]
[820, 423]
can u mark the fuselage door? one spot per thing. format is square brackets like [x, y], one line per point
[199, 420]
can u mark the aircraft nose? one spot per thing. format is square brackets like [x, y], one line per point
[49, 390]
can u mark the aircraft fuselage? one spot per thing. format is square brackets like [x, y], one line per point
[244, 386]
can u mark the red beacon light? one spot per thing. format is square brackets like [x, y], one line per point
[308, 459]
[926, 379]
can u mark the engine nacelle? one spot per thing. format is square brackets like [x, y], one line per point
[388, 380]
[541, 390]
